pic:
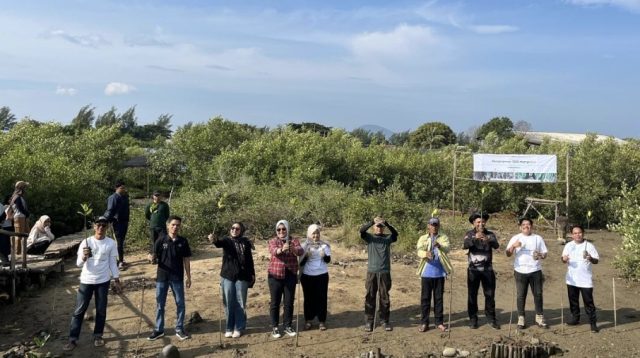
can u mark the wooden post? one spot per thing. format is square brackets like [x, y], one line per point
[567, 180]
[453, 183]
[615, 315]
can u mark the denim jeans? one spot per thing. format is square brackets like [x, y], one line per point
[234, 298]
[83, 298]
[177, 287]
[523, 281]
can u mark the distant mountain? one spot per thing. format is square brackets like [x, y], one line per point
[375, 129]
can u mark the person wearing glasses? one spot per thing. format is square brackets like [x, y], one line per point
[283, 277]
[236, 276]
[580, 255]
[97, 257]
[378, 281]
[157, 212]
[315, 277]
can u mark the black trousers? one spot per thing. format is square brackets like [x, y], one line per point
[120, 232]
[154, 234]
[488, 280]
[39, 247]
[315, 296]
[587, 298]
[432, 286]
[523, 281]
[377, 283]
[282, 287]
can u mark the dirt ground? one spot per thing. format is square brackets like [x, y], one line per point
[130, 316]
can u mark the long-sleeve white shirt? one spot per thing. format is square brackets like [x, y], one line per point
[102, 265]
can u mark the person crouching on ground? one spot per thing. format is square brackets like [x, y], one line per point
[580, 255]
[237, 274]
[40, 236]
[97, 256]
[434, 267]
[378, 280]
[283, 277]
[173, 255]
[529, 249]
[315, 277]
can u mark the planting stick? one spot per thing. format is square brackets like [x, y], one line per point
[615, 315]
[450, 303]
[513, 299]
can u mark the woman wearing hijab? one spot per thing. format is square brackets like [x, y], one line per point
[283, 276]
[40, 236]
[236, 276]
[315, 277]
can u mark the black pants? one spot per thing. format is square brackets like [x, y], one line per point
[432, 286]
[315, 296]
[488, 280]
[120, 232]
[587, 298]
[523, 281]
[39, 247]
[154, 234]
[278, 288]
[377, 283]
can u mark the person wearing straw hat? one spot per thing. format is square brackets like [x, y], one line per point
[97, 257]
[378, 281]
[434, 267]
[580, 255]
[19, 213]
[481, 242]
[529, 250]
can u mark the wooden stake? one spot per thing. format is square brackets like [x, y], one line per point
[615, 315]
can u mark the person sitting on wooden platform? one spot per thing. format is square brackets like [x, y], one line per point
[40, 236]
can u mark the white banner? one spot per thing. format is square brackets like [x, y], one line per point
[519, 168]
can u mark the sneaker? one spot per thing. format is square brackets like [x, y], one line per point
[236, 334]
[494, 325]
[155, 335]
[540, 321]
[594, 328]
[290, 332]
[71, 345]
[98, 342]
[521, 324]
[275, 333]
[322, 326]
[368, 327]
[573, 322]
[387, 326]
[228, 334]
[182, 335]
[122, 266]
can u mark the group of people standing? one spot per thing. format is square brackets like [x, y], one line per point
[293, 260]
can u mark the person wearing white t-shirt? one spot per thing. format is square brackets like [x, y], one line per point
[315, 277]
[579, 255]
[97, 256]
[529, 249]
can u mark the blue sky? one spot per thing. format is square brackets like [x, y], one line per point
[561, 65]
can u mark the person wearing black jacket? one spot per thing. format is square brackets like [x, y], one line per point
[236, 276]
[118, 214]
[480, 242]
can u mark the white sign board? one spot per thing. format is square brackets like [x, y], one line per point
[519, 168]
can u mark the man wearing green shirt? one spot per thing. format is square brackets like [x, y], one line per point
[378, 271]
[157, 213]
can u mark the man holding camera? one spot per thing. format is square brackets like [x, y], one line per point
[97, 256]
[378, 271]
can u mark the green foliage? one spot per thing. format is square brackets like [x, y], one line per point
[369, 138]
[501, 126]
[627, 213]
[7, 119]
[399, 139]
[310, 127]
[432, 135]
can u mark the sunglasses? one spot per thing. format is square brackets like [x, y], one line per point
[235, 228]
[281, 229]
[380, 225]
[101, 225]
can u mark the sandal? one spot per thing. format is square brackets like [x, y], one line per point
[443, 328]
[307, 326]
[322, 326]
[71, 345]
[423, 328]
[98, 342]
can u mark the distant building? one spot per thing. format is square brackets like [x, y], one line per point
[536, 138]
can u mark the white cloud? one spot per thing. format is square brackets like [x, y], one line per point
[632, 5]
[492, 29]
[66, 91]
[81, 40]
[405, 40]
[117, 88]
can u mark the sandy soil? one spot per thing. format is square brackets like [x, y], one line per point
[131, 315]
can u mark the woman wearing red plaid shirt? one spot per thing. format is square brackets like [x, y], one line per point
[283, 276]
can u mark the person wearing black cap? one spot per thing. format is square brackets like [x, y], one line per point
[378, 271]
[480, 242]
[157, 212]
[97, 258]
[118, 214]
